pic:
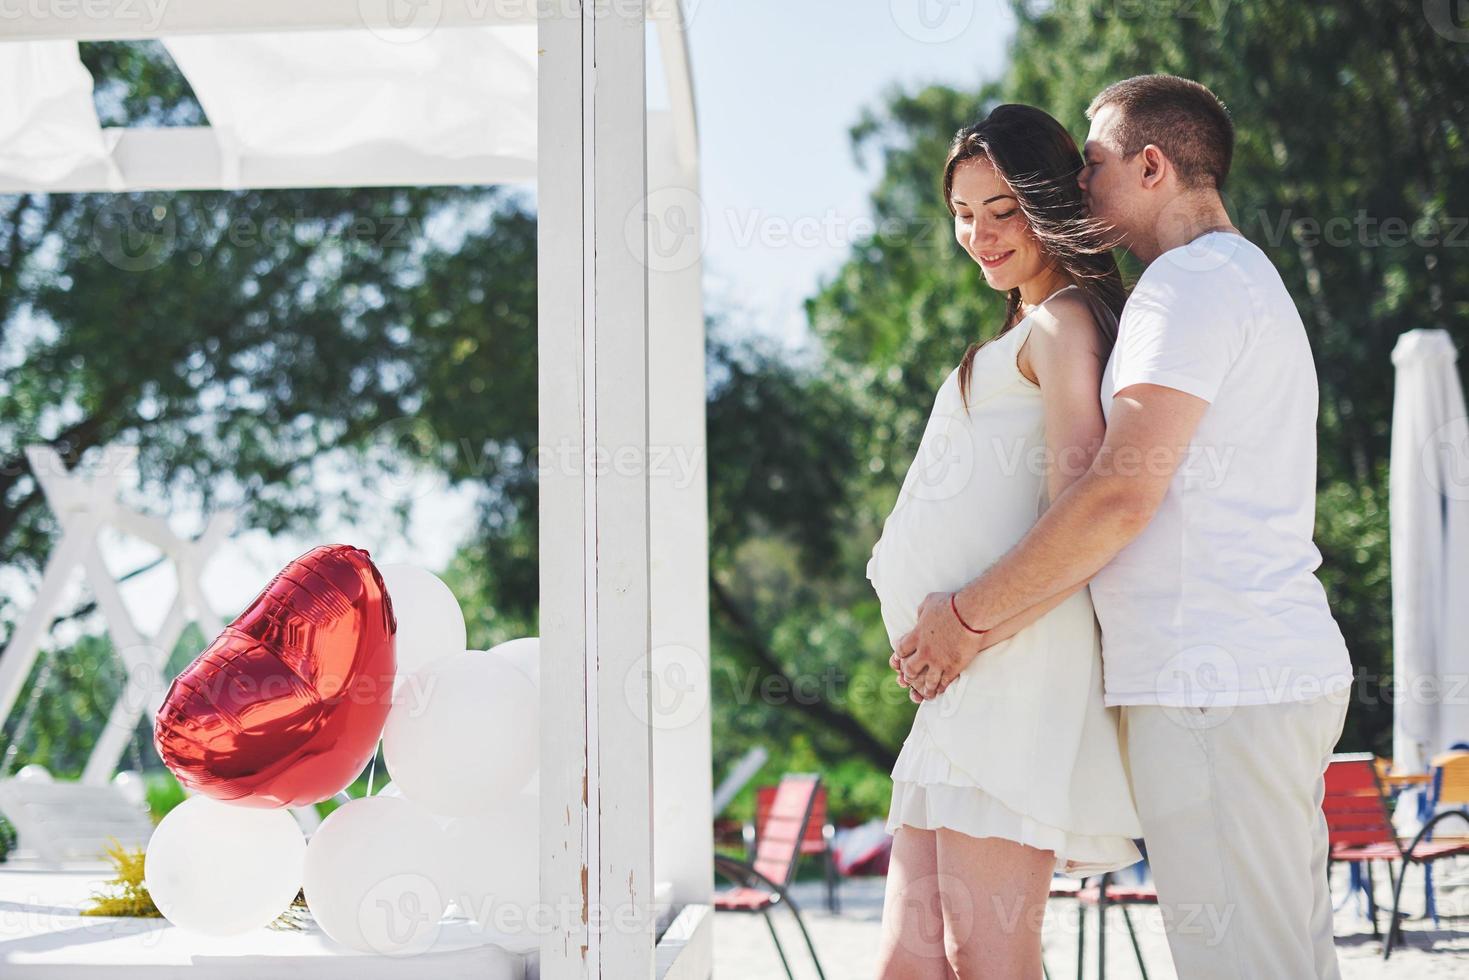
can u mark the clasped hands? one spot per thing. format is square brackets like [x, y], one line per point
[932, 654]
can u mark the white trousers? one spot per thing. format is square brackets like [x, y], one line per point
[1229, 798]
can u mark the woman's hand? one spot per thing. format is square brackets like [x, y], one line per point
[914, 695]
[896, 662]
[931, 655]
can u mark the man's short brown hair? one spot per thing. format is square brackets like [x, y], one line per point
[1181, 117]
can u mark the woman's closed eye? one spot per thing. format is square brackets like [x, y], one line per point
[1006, 214]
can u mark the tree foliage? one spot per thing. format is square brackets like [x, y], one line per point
[1350, 171]
[245, 339]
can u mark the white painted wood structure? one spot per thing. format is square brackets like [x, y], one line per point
[83, 504]
[63, 825]
[626, 785]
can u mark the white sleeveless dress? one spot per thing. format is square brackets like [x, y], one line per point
[1020, 745]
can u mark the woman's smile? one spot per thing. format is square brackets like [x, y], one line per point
[992, 260]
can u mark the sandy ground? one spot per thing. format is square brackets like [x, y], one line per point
[847, 942]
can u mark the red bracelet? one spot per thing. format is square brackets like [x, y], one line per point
[960, 618]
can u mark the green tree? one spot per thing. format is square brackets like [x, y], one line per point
[1350, 171]
[241, 338]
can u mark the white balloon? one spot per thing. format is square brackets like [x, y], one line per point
[391, 790]
[133, 787]
[467, 740]
[524, 653]
[430, 622]
[372, 877]
[494, 865]
[221, 869]
[34, 773]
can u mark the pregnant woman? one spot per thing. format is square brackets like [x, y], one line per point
[1014, 770]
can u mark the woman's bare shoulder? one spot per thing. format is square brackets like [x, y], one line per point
[1065, 312]
[1064, 328]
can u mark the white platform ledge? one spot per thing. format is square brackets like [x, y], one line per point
[43, 936]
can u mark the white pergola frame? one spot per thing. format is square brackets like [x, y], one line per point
[623, 548]
[83, 505]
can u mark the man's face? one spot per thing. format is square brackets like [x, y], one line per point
[1109, 183]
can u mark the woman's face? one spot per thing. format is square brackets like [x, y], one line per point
[990, 226]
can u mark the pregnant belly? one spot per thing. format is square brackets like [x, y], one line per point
[902, 579]
[939, 545]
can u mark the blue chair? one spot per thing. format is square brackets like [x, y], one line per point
[1450, 787]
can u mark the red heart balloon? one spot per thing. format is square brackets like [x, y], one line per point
[286, 706]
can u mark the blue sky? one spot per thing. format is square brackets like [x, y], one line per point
[777, 85]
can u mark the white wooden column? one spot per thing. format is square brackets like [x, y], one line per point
[596, 763]
[682, 779]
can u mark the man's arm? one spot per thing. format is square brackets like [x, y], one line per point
[1147, 438]
[999, 634]
[1100, 513]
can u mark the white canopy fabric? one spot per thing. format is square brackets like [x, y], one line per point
[1429, 512]
[48, 126]
[456, 93]
[319, 108]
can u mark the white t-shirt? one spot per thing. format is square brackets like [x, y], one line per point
[1216, 601]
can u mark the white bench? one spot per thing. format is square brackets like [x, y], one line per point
[63, 823]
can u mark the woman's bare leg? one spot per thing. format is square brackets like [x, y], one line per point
[913, 945]
[993, 893]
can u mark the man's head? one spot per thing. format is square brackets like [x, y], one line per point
[1154, 139]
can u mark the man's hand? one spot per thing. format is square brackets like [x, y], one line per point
[936, 649]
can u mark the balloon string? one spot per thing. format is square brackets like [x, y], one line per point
[372, 769]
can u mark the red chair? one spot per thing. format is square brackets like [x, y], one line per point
[818, 839]
[1104, 894]
[1360, 830]
[761, 884]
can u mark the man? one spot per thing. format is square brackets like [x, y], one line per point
[1193, 525]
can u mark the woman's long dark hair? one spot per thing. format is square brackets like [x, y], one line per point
[1039, 159]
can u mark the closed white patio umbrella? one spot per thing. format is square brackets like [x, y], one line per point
[1429, 511]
